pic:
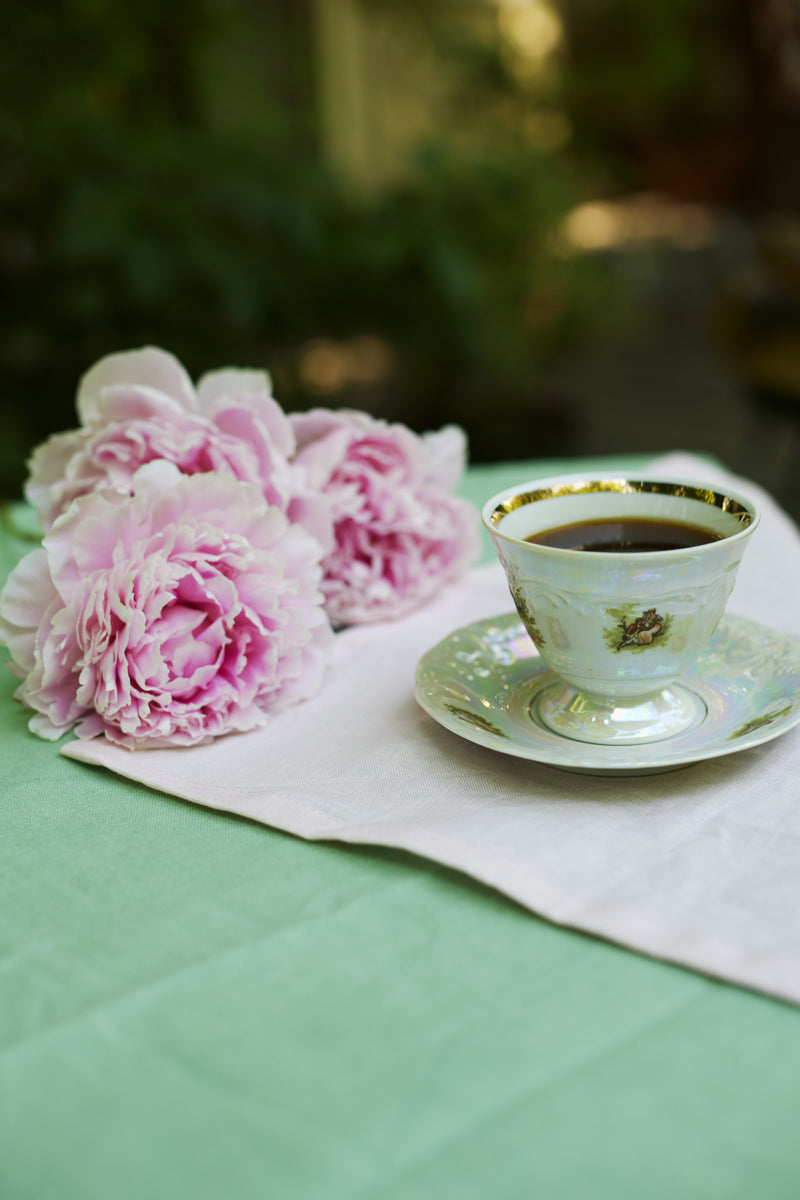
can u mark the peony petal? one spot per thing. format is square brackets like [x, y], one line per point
[49, 468]
[86, 537]
[137, 401]
[318, 459]
[28, 591]
[148, 367]
[314, 514]
[261, 423]
[231, 383]
[447, 455]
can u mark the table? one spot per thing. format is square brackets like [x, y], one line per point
[194, 1005]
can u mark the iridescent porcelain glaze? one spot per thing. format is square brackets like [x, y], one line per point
[485, 682]
[620, 630]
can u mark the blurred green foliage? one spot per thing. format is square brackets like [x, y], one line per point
[663, 90]
[682, 61]
[161, 183]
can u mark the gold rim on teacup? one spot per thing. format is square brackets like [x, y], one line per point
[496, 508]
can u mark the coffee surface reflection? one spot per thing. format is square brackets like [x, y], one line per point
[634, 535]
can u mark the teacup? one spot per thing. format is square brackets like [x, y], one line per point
[620, 626]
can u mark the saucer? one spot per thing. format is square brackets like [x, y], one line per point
[483, 682]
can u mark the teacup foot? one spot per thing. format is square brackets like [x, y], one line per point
[584, 717]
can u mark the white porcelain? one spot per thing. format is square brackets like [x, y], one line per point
[620, 630]
[486, 682]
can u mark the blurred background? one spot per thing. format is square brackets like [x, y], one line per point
[571, 226]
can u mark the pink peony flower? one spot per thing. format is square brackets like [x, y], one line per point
[399, 533]
[185, 610]
[141, 405]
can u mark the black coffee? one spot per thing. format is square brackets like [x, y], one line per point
[629, 535]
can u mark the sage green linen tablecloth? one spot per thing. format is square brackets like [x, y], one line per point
[196, 1005]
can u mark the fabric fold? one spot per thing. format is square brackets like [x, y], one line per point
[698, 866]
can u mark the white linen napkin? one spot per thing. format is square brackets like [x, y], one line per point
[700, 866]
